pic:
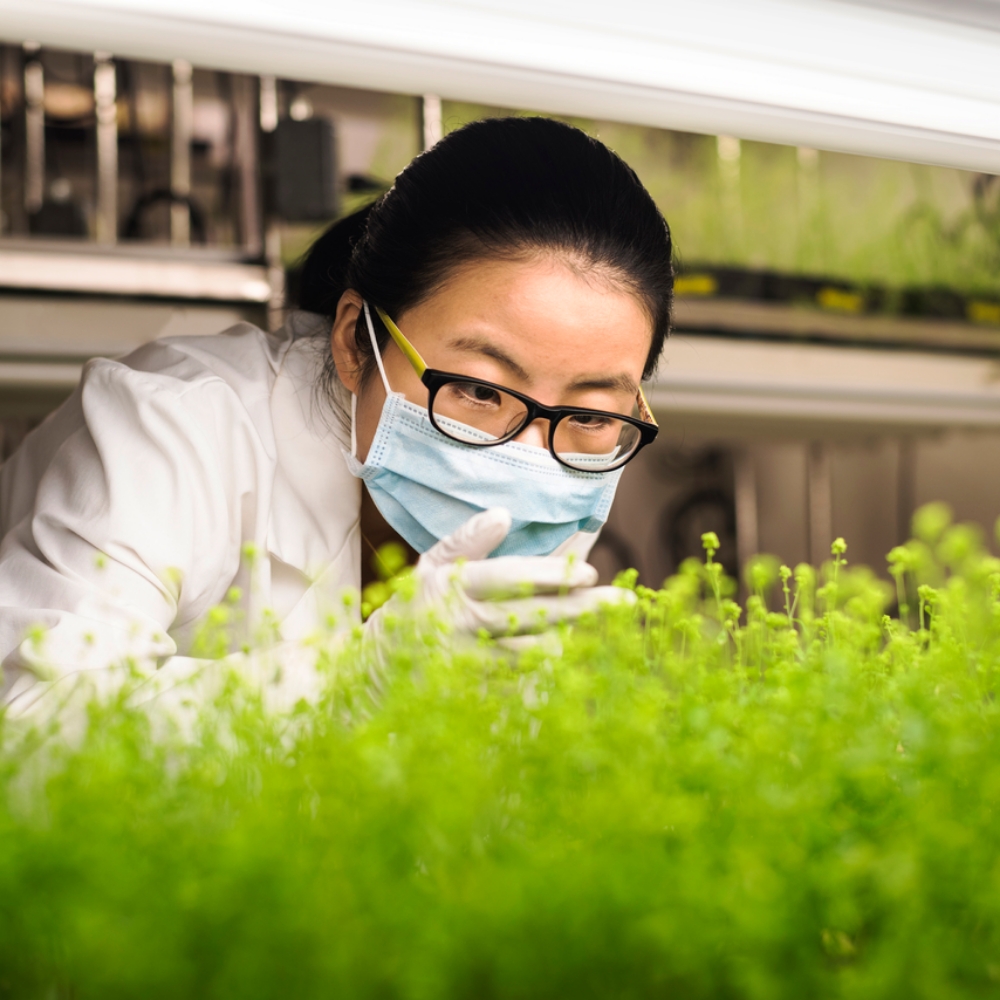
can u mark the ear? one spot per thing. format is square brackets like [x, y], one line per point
[343, 343]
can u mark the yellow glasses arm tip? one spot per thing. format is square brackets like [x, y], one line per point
[419, 365]
[644, 411]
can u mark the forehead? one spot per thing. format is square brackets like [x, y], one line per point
[552, 315]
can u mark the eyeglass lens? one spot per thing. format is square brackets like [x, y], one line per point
[481, 414]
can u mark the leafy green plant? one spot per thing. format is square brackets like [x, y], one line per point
[682, 800]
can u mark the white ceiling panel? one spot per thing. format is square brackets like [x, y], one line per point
[907, 79]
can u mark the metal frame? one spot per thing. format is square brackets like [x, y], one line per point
[46, 266]
[741, 386]
[105, 104]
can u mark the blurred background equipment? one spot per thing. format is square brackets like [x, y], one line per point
[305, 170]
[837, 221]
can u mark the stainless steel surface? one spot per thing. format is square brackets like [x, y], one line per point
[906, 486]
[745, 496]
[275, 277]
[740, 386]
[269, 115]
[40, 374]
[105, 97]
[247, 155]
[180, 153]
[34, 126]
[4, 222]
[52, 329]
[135, 272]
[748, 316]
[268, 103]
[819, 509]
[959, 467]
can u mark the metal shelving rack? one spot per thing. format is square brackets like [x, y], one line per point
[64, 300]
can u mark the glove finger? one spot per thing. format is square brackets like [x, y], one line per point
[523, 576]
[535, 614]
[475, 539]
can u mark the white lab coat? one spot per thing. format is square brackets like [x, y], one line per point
[192, 466]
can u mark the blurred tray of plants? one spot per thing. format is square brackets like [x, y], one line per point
[772, 305]
[836, 296]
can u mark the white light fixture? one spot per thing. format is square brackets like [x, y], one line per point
[908, 79]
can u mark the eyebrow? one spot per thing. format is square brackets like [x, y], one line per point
[478, 345]
[622, 382]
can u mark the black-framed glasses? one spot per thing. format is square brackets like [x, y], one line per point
[483, 414]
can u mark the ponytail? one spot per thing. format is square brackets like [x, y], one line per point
[324, 275]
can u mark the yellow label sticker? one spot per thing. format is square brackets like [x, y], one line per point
[695, 284]
[838, 300]
[987, 313]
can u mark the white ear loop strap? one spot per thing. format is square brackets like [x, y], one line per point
[378, 356]
[385, 381]
[354, 425]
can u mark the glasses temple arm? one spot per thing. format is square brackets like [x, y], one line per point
[644, 411]
[419, 365]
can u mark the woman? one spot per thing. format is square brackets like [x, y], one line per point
[470, 348]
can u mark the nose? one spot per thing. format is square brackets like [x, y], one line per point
[536, 433]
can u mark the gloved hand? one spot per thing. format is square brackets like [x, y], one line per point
[456, 586]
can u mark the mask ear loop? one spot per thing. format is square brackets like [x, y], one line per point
[354, 426]
[378, 356]
[381, 370]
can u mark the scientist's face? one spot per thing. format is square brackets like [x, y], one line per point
[565, 336]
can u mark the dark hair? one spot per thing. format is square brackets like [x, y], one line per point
[501, 187]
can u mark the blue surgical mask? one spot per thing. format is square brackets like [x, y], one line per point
[427, 485]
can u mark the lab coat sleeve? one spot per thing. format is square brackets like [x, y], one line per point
[134, 526]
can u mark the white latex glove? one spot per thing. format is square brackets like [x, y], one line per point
[507, 597]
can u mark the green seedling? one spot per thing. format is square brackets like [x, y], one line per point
[675, 799]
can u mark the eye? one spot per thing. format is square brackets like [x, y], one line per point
[473, 394]
[591, 422]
